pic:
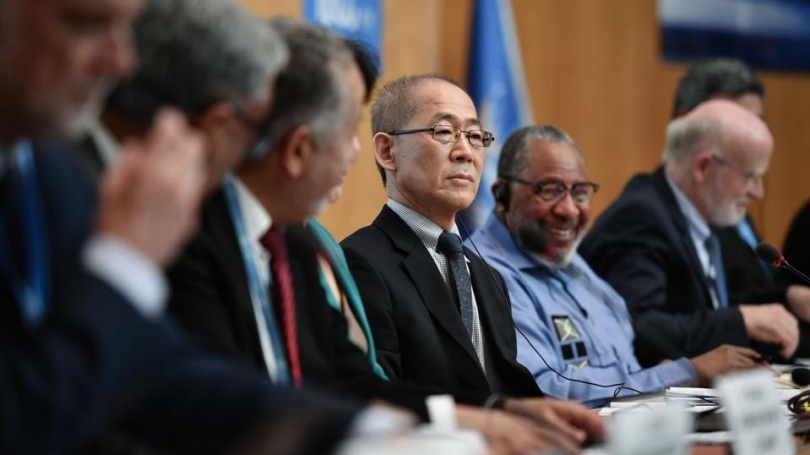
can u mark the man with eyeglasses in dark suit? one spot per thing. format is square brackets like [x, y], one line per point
[439, 315]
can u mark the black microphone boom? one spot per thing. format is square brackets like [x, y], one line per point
[774, 257]
[800, 376]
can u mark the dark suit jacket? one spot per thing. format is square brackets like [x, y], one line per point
[94, 362]
[797, 245]
[417, 328]
[797, 252]
[211, 300]
[642, 247]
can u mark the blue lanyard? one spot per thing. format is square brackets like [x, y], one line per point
[258, 293]
[32, 288]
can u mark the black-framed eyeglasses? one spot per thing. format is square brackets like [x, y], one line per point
[262, 129]
[449, 134]
[554, 191]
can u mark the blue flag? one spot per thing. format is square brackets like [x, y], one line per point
[496, 85]
[356, 19]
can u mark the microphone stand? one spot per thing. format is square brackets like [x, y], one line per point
[785, 264]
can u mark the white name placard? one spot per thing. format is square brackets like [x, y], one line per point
[755, 414]
[651, 431]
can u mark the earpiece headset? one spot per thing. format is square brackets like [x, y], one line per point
[505, 196]
[502, 194]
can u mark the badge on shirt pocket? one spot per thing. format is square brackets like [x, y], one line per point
[572, 346]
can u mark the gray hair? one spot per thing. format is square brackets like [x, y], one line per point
[194, 53]
[687, 136]
[515, 151]
[312, 89]
[395, 104]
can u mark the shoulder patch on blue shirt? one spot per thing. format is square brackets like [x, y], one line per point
[572, 348]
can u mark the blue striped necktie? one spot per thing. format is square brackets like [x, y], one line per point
[716, 260]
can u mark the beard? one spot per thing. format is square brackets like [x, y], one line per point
[532, 238]
[723, 210]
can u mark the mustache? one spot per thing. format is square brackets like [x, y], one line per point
[533, 237]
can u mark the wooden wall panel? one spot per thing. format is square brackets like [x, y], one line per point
[788, 182]
[593, 68]
[267, 8]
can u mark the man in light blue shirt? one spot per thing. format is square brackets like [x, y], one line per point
[574, 331]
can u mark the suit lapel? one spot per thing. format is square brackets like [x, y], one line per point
[426, 279]
[218, 223]
[489, 297]
[682, 225]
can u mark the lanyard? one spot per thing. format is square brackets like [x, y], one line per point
[32, 288]
[273, 353]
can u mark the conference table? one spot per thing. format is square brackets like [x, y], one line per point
[707, 420]
[803, 449]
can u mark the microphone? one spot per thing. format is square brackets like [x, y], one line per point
[800, 376]
[774, 257]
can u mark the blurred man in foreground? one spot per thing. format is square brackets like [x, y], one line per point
[82, 340]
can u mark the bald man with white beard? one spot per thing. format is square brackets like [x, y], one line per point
[656, 247]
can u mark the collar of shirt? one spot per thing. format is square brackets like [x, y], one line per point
[427, 231]
[7, 156]
[698, 230]
[697, 225]
[257, 221]
[108, 147]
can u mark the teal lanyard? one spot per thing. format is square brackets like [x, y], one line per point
[30, 288]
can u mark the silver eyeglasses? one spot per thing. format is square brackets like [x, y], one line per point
[448, 134]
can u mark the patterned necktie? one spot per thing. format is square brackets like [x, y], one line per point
[284, 297]
[716, 261]
[450, 246]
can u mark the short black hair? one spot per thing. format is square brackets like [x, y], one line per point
[709, 78]
[366, 60]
